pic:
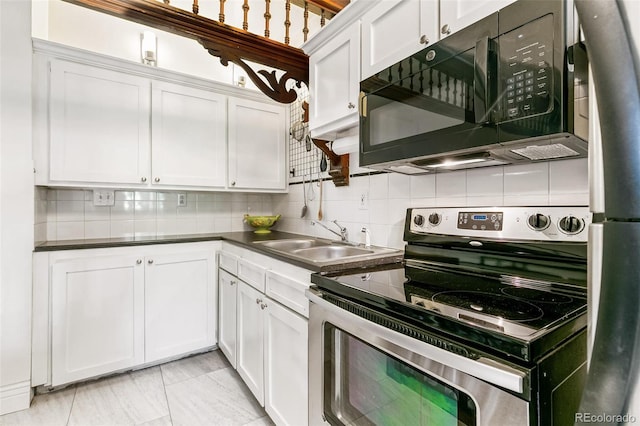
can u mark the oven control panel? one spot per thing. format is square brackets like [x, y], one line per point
[541, 223]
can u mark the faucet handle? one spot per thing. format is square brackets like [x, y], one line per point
[367, 237]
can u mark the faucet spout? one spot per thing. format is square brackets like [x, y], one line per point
[343, 234]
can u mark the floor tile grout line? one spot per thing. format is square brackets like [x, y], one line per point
[166, 397]
[75, 392]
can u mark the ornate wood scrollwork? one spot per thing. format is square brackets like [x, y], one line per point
[269, 83]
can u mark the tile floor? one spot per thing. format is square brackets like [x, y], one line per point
[200, 390]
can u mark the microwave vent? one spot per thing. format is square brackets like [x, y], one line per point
[546, 152]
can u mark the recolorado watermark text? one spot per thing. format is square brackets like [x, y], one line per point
[604, 418]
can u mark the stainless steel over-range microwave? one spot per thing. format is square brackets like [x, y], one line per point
[509, 88]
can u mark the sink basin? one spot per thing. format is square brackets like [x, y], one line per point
[291, 245]
[330, 252]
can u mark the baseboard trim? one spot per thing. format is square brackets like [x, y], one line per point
[15, 397]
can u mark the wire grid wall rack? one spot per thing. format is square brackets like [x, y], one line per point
[301, 162]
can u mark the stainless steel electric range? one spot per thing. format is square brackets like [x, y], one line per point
[483, 324]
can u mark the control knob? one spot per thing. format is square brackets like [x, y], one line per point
[434, 219]
[418, 220]
[571, 225]
[538, 221]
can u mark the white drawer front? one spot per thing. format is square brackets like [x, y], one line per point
[252, 274]
[228, 262]
[288, 291]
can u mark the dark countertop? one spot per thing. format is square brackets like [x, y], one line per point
[244, 239]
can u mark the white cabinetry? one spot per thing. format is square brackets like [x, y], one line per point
[257, 145]
[271, 331]
[180, 302]
[97, 307]
[251, 339]
[121, 308]
[189, 136]
[108, 123]
[228, 290]
[334, 84]
[457, 14]
[99, 122]
[396, 29]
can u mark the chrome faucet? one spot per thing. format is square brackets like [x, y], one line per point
[343, 234]
[367, 237]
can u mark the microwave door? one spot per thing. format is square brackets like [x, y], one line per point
[418, 109]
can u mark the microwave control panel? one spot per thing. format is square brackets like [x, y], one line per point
[526, 75]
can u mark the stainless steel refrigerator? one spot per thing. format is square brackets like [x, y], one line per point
[612, 390]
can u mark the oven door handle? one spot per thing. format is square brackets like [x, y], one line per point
[482, 368]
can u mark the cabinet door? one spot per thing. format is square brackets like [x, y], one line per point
[250, 344]
[457, 14]
[189, 145]
[334, 83]
[286, 365]
[97, 317]
[180, 301]
[257, 145]
[394, 30]
[228, 286]
[99, 125]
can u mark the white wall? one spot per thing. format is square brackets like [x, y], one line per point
[16, 205]
[72, 25]
[390, 194]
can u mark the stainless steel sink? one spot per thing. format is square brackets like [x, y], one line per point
[291, 245]
[330, 252]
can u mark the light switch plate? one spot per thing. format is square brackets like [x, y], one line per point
[364, 200]
[103, 198]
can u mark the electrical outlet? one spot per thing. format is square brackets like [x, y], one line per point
[182, 199]
[103, 198]
[364, 200]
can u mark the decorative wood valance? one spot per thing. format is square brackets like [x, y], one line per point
[228, 43]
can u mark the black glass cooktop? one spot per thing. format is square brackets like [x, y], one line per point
[493, 310]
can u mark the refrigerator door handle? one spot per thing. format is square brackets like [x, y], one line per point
[594, 277]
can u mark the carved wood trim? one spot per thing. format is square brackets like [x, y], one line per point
[227, 42]
[338, 164]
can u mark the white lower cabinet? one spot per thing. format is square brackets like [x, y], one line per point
[97, 317]
[180, 303]
[228, 290]
[121, 308]
[269, 346]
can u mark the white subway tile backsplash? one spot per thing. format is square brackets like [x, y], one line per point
[144, 228]
[451, 201]
[379, 187]
[568, 177]
[223, 224]
[164, 209]
[69, 211]
[144, 210]
[97, 229]
[379, 212]
[205, 225]
[581, 199]
[70, 230]
[122, 210]
[186, 226]
[526, 200]
[486, 181]
[124, 196]
[70, 195]
[526, 179]
[485, 200]
[399, 186]
[122, 228]
[451, 185]
[92, 212]
[423, 186]
[40, 232]
[144, 196]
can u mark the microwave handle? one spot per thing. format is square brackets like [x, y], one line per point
[481, 81]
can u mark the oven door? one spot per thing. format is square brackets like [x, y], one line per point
[363, 373]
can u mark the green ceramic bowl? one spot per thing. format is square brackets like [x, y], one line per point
[261, 223]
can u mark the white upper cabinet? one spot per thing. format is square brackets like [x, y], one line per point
[257, 145]
[99, 122]
[334, 84]
[395, 29]
[189, 136]
[457, 14]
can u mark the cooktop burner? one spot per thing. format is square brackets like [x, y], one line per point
[490, 304]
